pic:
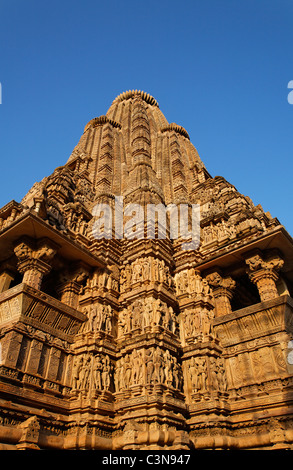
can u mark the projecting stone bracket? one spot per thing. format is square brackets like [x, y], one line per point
[30, 434]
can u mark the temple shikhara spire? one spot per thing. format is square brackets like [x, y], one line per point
[144, 304]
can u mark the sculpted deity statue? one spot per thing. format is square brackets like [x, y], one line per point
[222, 375]
[119, 375]
[106, 373]
[158, 374]
[84, 373]
[168, 370]
[193, 374]
[137, 364]
[158, 312]
[173, 321]
[98, 367]
[127, 371]
[167, 318]
[124, 321]
[118, 371]
[188, 323]
[214, 374]
[147, 313]
[202, 373]
[162, 273]
[198, 374]
[218, 375]
[146, 269]
[206, 322]
[136, 316]
[195, 285]
[149, 359]
[198, 322]
[128, 274]
[93, 320]
[77, 365]
[137, 271]
[107, 319]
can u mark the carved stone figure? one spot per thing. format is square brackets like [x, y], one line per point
[146, 269]
[98, 368]
[194, 374]
[137, 271]
[150, 368]
[77, 365]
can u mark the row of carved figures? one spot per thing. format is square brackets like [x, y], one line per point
[101, 280]
[145, 367]
[203, 378]
[145, 269]
[99, 318]
[190, 281]
[93, 372]
[198, 321]
[151, 366]
[149, 312]
[153, 270]
[210, 233]
[145, 313]
[214, 232]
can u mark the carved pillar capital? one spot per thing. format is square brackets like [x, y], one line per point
[34, 259]
[222, 290]
[263, 271]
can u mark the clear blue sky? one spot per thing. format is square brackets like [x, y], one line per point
[218, 68]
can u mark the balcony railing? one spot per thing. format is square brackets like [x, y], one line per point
[25, 304]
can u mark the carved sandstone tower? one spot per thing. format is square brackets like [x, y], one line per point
[113, 336]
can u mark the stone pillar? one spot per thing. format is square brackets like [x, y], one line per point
[222, 290]
[11, 345]
[53, 365]
[34, 357]
[69, 293]
[263, 271]
[71, 282]
[6, 277]
[34, 260]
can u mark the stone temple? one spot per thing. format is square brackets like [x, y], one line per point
[115, 337]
